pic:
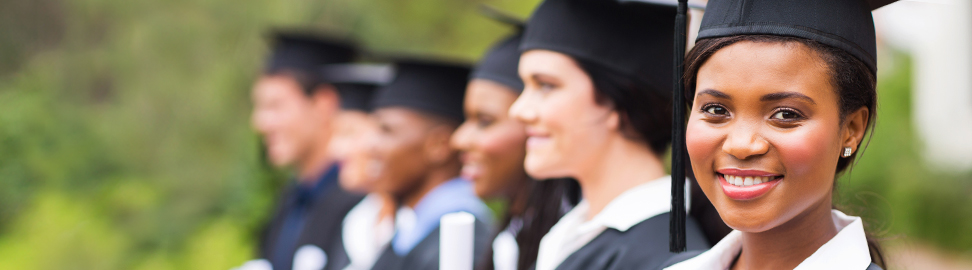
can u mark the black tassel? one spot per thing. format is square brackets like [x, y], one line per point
[677, 224]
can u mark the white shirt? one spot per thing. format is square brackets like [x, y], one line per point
[506, 253]
[847, 250]
[573, 231]
[363, 235]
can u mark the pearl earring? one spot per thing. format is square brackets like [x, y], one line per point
[847, 151]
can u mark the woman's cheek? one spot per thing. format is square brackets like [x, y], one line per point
[805, 148]
[703, 144]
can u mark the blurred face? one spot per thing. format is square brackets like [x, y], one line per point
[400, 150]
[765, 134]
[288, 120]
[566, 127]
[353, 131]
[492, 143]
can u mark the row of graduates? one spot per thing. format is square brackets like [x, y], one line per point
[568, 120]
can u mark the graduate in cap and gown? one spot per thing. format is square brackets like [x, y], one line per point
[597, 107]
[417, 113]
[782, 94]
[294, 112]
[368, 227]
[493, 149]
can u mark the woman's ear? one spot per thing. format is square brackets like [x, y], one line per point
[326, 100]
[613, 121]
[854, 127]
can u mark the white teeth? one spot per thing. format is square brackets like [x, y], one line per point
[747, 180]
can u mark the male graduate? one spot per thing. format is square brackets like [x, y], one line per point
[417, 113]
[294, 111]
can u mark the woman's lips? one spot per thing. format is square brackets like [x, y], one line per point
[747, 184]
[471, 172]
[536, 141]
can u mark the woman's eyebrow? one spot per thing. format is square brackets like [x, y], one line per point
[714, 93]
[785, 95]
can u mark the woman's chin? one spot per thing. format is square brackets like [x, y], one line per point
[538, 170]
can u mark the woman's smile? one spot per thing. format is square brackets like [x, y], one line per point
[739, 184]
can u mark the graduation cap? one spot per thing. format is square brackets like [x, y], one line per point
[843, 24]
[502, 60]
[632, 39]
[357, 83]
[305, 51]
[437, 87]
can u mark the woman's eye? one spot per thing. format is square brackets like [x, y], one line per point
[786, 115]
[545, 86]
[717, 110]
[484, 123]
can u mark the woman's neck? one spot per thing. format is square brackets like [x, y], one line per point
[787, 245]
[623, 165]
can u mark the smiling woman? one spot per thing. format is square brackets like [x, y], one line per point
[774, 120]
[599, 112]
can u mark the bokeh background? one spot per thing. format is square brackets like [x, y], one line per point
[125, 140]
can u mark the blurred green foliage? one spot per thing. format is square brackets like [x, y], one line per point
[125, 141]
[901, 196]
[124, 124]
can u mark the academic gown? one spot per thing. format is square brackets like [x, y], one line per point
[847, 250]
[630, 232]
[415, 245]
[425, 255]
[640, 247]
[325, 206]
[691, 254]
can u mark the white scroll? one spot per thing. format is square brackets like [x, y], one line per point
[456, 241]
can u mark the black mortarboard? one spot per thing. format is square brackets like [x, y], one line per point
[501, 61]
[431, 86]
[357, 83]
[843, 24]
[306, 51]
[632, 39]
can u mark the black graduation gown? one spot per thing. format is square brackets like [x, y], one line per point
[643, 246]
[425, 255]
[322, 224]
[338, 258]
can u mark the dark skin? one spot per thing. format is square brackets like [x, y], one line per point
[771, 107]
[412, 154]
[493, 144]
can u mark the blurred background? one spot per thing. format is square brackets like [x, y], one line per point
[125, 140]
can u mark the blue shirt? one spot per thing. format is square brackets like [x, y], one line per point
[455, 195]
[296, 216]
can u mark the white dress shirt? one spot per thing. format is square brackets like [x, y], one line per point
[363, 235]
[847, 250]
[506, 253]
[573, 231]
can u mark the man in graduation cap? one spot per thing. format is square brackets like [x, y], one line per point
[295, 107]
[417, 114]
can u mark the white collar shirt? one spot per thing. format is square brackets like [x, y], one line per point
[363, 235]
[573, 231]
[847, 250]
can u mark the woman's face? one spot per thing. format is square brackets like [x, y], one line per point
[765, 133]
[566, 127]
[492, 143]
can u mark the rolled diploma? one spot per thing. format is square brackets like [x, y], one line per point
[456, 241]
